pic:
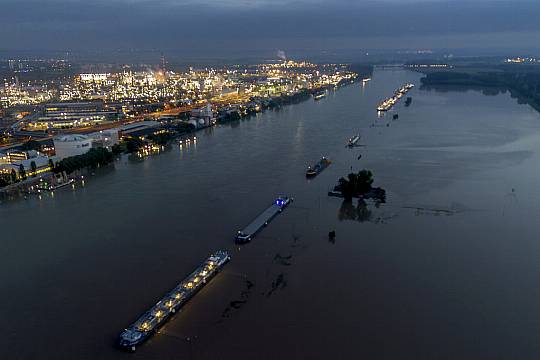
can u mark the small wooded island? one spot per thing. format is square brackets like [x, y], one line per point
[358, 185]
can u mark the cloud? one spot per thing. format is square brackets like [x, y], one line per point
[222, 24]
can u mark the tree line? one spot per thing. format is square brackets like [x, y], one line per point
[93, 158]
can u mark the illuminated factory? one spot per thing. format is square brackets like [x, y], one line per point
[72, 114]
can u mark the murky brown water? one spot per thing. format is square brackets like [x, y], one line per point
[448, 268]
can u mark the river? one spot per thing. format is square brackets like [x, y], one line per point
[447, 268]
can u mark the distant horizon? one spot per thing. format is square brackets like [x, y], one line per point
[134, 56]
[213, 27]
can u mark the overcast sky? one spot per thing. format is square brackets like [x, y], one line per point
[244, 25]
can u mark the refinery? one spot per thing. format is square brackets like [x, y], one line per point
[47, 123]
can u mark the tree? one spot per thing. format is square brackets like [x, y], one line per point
[4, 181]
[51, 164]
[364, 180]
[160, 139]
[116, 149]
[93, 158]
[133, 145]
[13, 176]
[355, 185]
[31, 145]
[33, 167]
[22, 172]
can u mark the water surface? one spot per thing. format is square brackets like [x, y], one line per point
[446, 269]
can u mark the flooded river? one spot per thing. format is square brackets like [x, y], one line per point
[447, 268]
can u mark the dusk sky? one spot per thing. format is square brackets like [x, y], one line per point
[246, 25]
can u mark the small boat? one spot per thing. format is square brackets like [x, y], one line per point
[319, 95]
[352, 141]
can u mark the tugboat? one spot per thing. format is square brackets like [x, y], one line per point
[316, 169]
[352, 141]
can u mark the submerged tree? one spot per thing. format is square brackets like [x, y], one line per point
[33, 168]
[22, 172]
[360, 213]
[355, 185]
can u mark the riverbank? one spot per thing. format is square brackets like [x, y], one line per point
[522, 84]
[100, 157]
[20, 188]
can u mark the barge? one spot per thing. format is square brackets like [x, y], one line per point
[173, 301]
[316, 169]
[245, 235]
[387, 104]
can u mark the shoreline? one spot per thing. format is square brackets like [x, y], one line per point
[477, 81]
[16, 191]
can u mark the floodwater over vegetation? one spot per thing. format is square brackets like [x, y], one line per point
[446, 267]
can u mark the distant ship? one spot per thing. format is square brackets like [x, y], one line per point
[319, 95]
[389, 103]
[352, 141]
[316, 169]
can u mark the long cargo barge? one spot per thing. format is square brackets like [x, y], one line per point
[316, 169]
[173, 301]
[245, 235]
[387, 104]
